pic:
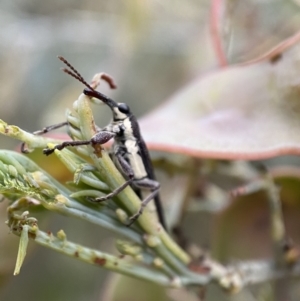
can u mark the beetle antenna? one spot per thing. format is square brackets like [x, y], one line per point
[73, 72]
[79, 78]
[96, 80]
[70, 66]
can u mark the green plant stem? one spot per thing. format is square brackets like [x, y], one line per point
[33, 141]
[95, 257]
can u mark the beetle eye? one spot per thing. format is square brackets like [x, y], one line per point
[123, 108]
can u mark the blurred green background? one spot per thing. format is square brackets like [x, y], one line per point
[151, 48]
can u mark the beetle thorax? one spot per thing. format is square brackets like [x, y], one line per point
[118, 115]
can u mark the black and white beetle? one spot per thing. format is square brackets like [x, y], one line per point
[129, 151]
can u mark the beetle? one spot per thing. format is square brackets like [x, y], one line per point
[129, 150]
